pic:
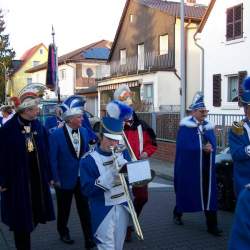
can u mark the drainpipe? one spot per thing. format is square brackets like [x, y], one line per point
[202, 61]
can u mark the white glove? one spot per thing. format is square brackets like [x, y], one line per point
[107, 180]
[247, 150]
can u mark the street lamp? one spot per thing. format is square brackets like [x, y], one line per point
[5, 79]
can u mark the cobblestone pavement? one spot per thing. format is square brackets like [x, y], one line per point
[156, 221]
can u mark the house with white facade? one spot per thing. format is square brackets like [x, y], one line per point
[224, 37]
[145, 55]
[77, 72]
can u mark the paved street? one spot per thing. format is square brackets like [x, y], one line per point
[156, 221]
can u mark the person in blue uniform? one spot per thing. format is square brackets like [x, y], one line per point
[25, 172]
[67, 145]
[54, 122]
[7, 113]
[240, 234]
[239, 143]
[194, 170]
[100, 183]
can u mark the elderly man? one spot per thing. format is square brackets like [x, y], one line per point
[24, 172]
[67, 145]
[194, 172]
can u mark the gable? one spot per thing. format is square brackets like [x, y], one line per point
[146, 26]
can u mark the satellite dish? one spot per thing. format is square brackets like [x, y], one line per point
[89, 72]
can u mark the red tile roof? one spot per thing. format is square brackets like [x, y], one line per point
[173, 8]
[30, 52]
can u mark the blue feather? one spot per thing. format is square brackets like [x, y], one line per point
[119, 110]
[246, 84]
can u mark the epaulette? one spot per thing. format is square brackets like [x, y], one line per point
[237, 128]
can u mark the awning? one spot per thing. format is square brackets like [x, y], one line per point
[114, 86]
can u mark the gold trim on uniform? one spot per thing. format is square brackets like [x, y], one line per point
[237, 128]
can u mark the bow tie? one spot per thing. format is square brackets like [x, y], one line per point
[74, 131]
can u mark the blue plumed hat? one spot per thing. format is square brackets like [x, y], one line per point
[72, 106]
[245, 96]
[112, 128]
[119, 110]
[198, 101]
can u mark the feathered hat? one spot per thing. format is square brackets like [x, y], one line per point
[29, 96]
[245, 96]
[123, 94]
[72, 106]
[198, 101]
[112, 124]
[119, 110]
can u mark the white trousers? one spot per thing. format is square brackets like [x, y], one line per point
[112, 231]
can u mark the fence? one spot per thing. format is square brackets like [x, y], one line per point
[166, 124]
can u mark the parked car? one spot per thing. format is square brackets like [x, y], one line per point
[224, 175]
[48, 109]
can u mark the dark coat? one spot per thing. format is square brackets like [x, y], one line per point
[16, 208]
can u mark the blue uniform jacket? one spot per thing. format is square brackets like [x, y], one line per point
[189, 168]
[89, 174]
[241, 159]
[63, 159]
[240, 234]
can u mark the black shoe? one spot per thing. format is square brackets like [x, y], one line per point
[215, 231]
[178, 221]
[66, 239]
[90, 244]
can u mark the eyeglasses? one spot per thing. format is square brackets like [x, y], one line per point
[203, 111]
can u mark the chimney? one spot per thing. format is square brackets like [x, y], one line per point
[191, 2]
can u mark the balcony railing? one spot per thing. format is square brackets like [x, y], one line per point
[151, 61]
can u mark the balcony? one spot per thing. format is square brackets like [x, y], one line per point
[151, 62]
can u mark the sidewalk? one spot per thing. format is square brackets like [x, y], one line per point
[163, 169]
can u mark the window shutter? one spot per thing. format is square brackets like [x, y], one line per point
[238, 21]
[230, 25]
[241, 77]
[217, 90]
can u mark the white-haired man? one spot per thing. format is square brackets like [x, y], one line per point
[67, 145]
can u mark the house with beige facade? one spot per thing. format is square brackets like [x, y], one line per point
[145, 55]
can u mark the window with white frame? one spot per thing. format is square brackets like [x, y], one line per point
[29, 80]
[35, 63]
[148, 92]
[123, 56]
[62, 74]
[164, 44]
[232, 94]
[141, 58]
[41, 51]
